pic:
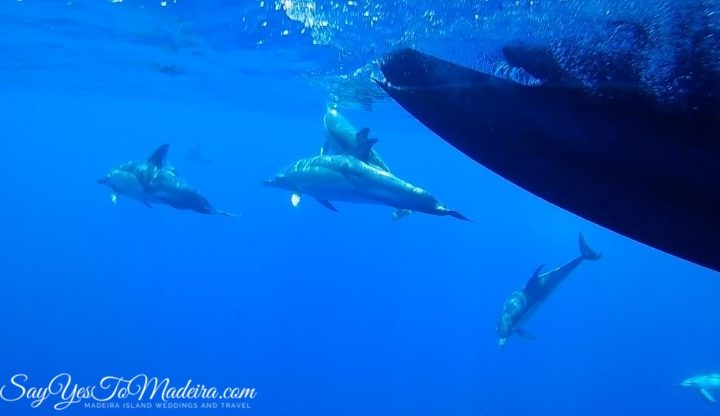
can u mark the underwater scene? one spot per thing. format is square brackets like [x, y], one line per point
[360, 207]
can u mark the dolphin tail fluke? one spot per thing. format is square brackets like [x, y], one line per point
[585, 251]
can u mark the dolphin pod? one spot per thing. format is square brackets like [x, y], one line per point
[349, 169]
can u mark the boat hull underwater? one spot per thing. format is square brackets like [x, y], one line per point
[614, 156]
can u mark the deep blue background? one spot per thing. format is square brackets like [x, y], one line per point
[324, 313]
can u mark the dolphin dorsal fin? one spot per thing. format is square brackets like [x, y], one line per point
[157, 158]
[362, 134]
[535, 279]
[362, 150]
[536, 274]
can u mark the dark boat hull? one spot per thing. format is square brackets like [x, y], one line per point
[614, 157]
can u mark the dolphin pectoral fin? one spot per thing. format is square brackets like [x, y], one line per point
[525, 335]
[706, 394]
[295, 200]
[114, 198]
[327, 204]
[400, 213]
[157, 158]
[147, 204]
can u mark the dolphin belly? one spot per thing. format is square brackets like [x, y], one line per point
[127, 184]
[338, 178]
[528, 312]
[332, 185]
[384, 188]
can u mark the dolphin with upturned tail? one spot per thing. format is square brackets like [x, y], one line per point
[522, 304]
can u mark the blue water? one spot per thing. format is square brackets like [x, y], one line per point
[322, 313]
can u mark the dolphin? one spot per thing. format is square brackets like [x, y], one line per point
[153, 181]
[349, 178]
[522, 304]
[614, 155]
[341, 137]
[704, 384]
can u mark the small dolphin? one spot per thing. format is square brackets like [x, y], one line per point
[521, 305]
[349, 178]
[153, 181]
[704, 384]
[341, 137]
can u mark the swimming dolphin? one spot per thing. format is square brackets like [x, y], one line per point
[521, 305]
[342, 137]
[704, 384]
[349, 178]
[613, 155]
[153, 181]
